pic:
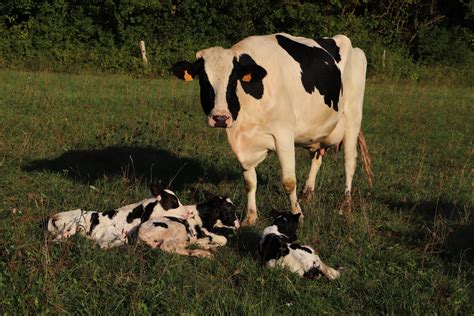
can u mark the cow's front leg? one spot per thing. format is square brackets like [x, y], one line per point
[285, 149]
[250, 177]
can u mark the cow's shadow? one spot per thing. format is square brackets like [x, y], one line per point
[245, 242]
[133, 164]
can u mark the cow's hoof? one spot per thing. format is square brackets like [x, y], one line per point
[346, 207]
[307, 194]
[249, 221]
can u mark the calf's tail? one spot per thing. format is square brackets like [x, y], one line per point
[365, 157]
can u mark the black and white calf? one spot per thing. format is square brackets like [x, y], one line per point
[174, 234]
[113, 228]
[277, 248]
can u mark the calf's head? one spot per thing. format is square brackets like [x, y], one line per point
[218, 211]
[219, 70]
[66, 224]
[286, 223]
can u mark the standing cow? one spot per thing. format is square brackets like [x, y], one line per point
[272, 92]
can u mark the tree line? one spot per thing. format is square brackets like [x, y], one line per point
[70, 35]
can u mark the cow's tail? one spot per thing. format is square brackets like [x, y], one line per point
[365, 157]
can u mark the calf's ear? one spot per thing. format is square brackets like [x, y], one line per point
[252, 73]
[156, 189]
[184, 70]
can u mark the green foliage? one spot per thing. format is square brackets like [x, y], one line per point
[73, 36]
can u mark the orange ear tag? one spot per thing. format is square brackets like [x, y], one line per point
[247, 78]
[187, 77]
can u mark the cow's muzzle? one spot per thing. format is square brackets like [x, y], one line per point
[219, 118]
[221, 121]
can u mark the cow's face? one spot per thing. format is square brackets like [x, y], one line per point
[219, 70]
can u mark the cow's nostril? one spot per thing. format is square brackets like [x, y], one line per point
[220, 118]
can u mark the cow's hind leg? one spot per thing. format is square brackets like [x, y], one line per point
[352, 119]
[316, 161]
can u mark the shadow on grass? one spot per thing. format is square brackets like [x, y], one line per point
[245, 242]
[444, 227]
[133, 164]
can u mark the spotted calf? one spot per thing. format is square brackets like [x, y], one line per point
[174, 234]
[113, 228]
[277, 248]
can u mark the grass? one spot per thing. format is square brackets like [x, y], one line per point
[95, 142]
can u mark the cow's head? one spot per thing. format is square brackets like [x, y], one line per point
[219, 70]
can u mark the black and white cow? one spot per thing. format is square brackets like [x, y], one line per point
[272, 92]
[277, 248]
[113, 228]
[173, 234]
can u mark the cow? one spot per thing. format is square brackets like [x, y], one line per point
[277, 248]
[276, 91]
[175, 235]
[114, 227]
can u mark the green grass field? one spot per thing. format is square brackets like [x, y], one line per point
[96, 142]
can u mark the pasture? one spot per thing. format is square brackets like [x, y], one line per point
[96, 142]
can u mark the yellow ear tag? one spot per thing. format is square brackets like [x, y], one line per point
[187, 76]
[247, 78]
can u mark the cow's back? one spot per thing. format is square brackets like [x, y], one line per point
[305, 82]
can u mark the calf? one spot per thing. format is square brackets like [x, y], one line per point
[113, 228]
[277, 248]
[174, 234]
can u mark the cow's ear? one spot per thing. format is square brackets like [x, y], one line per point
[184, 70]
[252, 73]
[156, 189]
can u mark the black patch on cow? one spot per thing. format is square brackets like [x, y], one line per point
[318, 69]
[331, 47]
[312, 273]
[295, 246]
[254, 88]
[231, 93]
[181, 221]
[160, 224]
[199, 232]
[94, 222]
[137, 212]
[110, 213]
[273, 247]
[217, 208]
[168, 201]
[148, 210]
[207, 93]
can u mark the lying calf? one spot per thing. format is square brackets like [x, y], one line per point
[277, 248]
[174, 234]
[113, 228]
